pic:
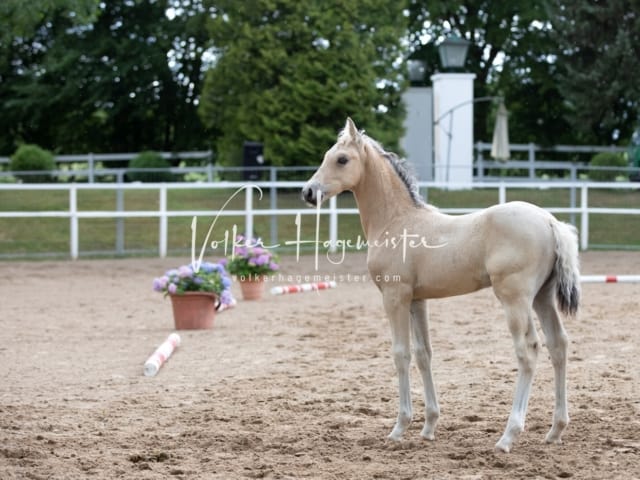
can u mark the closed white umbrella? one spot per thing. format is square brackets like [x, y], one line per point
[500, 144]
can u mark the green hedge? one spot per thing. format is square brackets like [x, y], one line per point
[149, 160]
[32, 158]
[607, 159]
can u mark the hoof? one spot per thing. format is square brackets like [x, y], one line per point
[428, 435]
[555, 434]
[553, 439]
[399, 428]
[509, 437]
[503, 445]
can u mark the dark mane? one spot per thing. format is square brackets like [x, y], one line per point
[403, 170]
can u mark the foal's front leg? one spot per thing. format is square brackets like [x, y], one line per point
[422, 351]
[397, 308]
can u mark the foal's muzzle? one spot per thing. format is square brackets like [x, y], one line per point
[311, 192]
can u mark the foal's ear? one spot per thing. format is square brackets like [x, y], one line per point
[352, 130]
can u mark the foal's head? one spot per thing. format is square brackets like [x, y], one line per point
[341, 168]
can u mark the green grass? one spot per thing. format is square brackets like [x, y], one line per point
[32, 237]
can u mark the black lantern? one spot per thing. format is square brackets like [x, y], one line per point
[417, 69]
[453, 52]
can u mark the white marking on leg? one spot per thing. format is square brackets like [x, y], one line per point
[402, 358]
[398, 313]
[526, 345]
[423, 354]
[557, 343]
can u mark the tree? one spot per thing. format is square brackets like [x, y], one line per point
[106, 85]
[288, 73]
[20, 20]
[23, 38]
[510, 53]
[598, 60]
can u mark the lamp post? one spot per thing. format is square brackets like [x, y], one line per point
[453, 114]
[453, 52]
[417, 70]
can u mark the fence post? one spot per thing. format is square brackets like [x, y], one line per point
[502, 193]
[248, 219]
[532, 161]
[333, 223]
[119, 221]
[91, 167]
[584, 219]
[480, 163]
[572, 194]
[162, 241]
[273, 204]
[73, 221]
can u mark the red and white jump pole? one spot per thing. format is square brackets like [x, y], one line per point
[303, 287]
[610, 278]
[161, 355]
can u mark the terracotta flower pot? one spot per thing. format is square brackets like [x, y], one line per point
[194, 310]
[252, 289]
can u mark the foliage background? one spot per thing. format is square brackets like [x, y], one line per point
[131, 75]
[305, 67]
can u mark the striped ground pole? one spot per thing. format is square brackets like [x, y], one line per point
[303, 287]
[610, 278]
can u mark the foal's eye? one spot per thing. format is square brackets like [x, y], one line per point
[342, 160]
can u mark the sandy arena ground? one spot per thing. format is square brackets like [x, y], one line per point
[297, 386]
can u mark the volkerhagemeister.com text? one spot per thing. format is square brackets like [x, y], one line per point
[317, 278]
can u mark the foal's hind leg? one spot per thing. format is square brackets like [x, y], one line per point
[557, 342]
[422, 351]
[525, 339]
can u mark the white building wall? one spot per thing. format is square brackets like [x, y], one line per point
[453, 133]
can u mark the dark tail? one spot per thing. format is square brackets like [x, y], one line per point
[566, 269]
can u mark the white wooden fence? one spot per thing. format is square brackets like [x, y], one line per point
[583, 209]
[94, 167]
[545, 158]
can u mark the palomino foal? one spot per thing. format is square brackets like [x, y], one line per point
[529, 258]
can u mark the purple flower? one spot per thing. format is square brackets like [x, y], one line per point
[226, 282]
[273, 266]
[160, 283]
[172, 288]
[208, 267]
[185, 271]
[226, 298]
